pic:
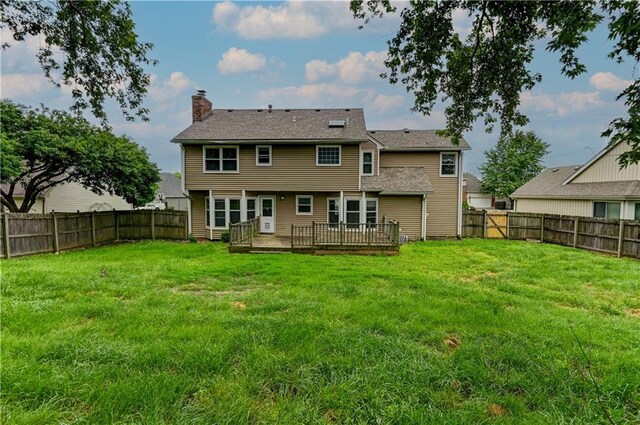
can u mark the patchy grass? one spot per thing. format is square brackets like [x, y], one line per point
[447, 332]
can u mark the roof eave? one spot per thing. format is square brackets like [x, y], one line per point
[264, 141]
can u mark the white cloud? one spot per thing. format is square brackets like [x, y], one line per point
[608, 81]
[169, 89]
[316, 96]
[291, 19]
[16, 85]
[561, 104]
[352, 69]
[384, 103]
[235, 61]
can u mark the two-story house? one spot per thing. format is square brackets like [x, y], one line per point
[295, 166]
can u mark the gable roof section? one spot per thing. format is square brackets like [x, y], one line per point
[549, 184]
[408, 140]
[398, 180]
[473, 183]
[588, 164]
[226, 125]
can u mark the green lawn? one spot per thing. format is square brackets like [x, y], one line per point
[446, 332]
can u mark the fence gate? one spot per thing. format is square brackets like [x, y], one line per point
[497, 227]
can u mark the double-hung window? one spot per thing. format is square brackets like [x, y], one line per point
[328, 155]
[333, 212]
[251, 208]
[353, 212]
[367, 163]
[263, 155]
[221, 159]
[448, 164]
[304, 205]
[372, 211]
[606, 209]
[234, 211]
[224, 212]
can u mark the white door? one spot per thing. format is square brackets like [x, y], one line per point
[267, 214]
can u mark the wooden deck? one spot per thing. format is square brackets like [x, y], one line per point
[271, 244]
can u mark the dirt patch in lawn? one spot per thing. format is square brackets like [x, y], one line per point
[635, 312]
[496, 410]
[452, 342]
[474, 278]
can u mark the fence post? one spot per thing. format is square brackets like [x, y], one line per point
[117, 218]
[542, 228]
[484, 225]
[508, 225]
[576, 222]
[56, 246]
[93, 228]
[186, 225]
[153, 225]
[620, 238]
[5, 234]
[341, 229]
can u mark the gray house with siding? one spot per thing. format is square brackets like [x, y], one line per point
[295, 166]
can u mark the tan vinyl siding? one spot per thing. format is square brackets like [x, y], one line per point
[404, 209]
[70, 197]
[293, 168]
[582, 208]
[198, 223]
[607, 169]
[442, 204]
[286, 212]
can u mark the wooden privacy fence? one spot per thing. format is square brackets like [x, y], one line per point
[346, 235]
[620, 237]
[24, 234]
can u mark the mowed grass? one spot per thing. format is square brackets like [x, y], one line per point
[470, 331]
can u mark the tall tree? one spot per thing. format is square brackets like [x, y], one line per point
[41, 149]
[483, 74]
[101, 54]
[512, 162]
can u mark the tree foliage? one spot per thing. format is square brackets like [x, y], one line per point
[512, 162]
[41, 149]
[481, 75]
[91, 46]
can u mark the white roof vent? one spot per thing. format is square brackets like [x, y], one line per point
[337, 123]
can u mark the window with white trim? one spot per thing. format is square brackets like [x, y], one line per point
[448, 164]
[304, 205]
[234, 211]
[333, 212]
[328, 155]
[372, 211]
[353, 212]
[219, 213]
[251, 208]
[263, 155]
[606, 209]
[221, 159]
[367, 163]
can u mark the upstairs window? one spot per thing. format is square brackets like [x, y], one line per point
[448, 167]
[328, 155]
[220, 159]
[263, 156]
[304, 204]
[606, 209]
[367, 163]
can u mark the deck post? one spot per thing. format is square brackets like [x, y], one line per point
[341, 230]
[56, 246]
[251, 233]
[313, 233]
[542, 228]
[5, 235]
[397, 233]
[620, 238]
[230, 235]
[576, 223]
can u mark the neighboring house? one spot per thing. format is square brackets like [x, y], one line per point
[598, 188]
[169, 194]
[72, 197]
[295, 166]
[473, 193]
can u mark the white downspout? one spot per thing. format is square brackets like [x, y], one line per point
[243, 206]
[363, 209]
[423, 222]
[343, 208]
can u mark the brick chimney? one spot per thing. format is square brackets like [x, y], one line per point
[200, 105]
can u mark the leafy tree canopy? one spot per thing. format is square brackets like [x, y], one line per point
[483, 74]
[101, 54]
[512, 162]
[41, 149]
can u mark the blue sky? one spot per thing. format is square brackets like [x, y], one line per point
[311, 54]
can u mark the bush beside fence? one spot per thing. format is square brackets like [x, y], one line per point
[619, 237]
[24, 234]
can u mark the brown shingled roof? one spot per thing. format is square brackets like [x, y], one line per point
[405, 180]
[276, 124]
[415, 139]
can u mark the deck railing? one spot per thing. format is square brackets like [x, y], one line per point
[346, 235]
[242, 233]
